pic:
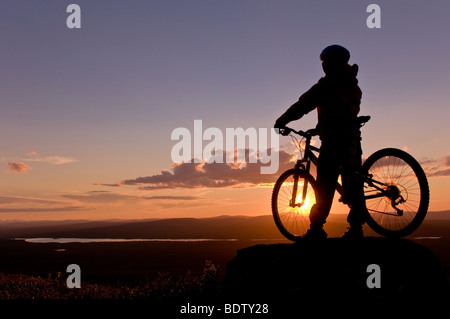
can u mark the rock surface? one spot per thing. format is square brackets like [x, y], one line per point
[336, 268]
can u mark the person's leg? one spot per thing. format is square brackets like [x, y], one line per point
[353, 183]
[355, 187]
[327, 175]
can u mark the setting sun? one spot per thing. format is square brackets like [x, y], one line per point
[306, 207]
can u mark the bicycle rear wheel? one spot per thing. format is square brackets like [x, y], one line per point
[292, 219]
[397, 195]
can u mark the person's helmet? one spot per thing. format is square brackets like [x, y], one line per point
[335, 54]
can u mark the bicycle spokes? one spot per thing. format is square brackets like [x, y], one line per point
[395, 191]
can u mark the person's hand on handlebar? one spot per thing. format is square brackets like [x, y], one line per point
[281, 127]
[282, 130]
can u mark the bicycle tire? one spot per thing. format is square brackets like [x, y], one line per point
[402, 172]
[292, 222]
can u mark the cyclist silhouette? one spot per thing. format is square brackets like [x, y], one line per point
[337, 97]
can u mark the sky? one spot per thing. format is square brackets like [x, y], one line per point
[87, 113]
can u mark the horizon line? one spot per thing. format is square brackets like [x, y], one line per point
[166, 218]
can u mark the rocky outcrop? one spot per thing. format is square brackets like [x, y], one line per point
[370, 269]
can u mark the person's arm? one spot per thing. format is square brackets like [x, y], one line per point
[305, 104]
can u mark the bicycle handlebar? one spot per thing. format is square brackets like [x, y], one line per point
[287, 130]
[360, 120]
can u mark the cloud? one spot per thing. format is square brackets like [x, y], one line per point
[169, 197]
[84, 201]
[109, 185]
[88, 201]
[17, 204]
[437, 168]
[30, 200]
[97, 197]
[212, 175]
[32, 153]
[105, 197]
[18, 167]
[447, 160]
[445, 172]
[55, 160]
[43, 209]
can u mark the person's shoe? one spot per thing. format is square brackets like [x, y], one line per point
[354, 232]
[315, 234]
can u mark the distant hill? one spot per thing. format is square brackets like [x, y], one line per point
[222, 227]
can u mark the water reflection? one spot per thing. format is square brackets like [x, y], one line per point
[113, 240]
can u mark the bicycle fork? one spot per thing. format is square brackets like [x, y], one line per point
[293, 202]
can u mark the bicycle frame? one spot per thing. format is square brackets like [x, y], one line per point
[309, 156]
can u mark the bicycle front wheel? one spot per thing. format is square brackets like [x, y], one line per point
[397, 194]
[292, 216]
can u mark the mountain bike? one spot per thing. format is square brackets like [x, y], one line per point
[396, 192]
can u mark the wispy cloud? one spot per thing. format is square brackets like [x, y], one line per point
[30, 200]
[437, 168]
[109, 185]
[445, 172]
[32, 153]
[447, 160]
[55, 160]
[105, 197]
[43, 209]
[169, 197]
[18, 167]
[91, 200]
[21, 204]
[97, 197]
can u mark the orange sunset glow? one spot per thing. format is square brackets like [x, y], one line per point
[86, 124]
[179, 158]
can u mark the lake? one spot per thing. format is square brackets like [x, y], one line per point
[116, 240]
